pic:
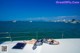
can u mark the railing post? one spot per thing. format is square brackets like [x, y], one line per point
[36, 35]
[10, 37]
[62, 35]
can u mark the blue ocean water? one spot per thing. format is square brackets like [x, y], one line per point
[38, 30]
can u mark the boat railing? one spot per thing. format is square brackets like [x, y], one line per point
[11, 36]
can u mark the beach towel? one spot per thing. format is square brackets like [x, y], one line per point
[19, 46]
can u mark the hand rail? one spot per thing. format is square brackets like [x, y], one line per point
[36, 35]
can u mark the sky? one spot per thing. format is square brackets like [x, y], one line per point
[37, 9]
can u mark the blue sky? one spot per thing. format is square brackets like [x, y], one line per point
[25, 9]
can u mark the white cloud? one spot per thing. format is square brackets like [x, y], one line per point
[54, 18]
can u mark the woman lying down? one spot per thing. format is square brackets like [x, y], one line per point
[39, 42]
[48, 41]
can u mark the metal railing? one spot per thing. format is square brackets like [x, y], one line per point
[11, 36]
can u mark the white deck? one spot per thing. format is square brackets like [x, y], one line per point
[65, 46]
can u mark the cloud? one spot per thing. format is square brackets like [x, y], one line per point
[37, 18]
[67, 17]
[54, 18]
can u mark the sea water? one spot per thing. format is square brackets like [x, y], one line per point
[22, 30]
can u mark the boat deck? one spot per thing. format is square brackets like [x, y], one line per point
[65, 46]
